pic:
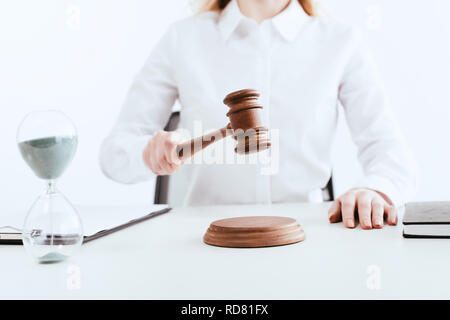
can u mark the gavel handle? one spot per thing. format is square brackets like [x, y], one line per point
[189, 148]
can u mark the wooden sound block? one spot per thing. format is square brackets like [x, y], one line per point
[254, 232]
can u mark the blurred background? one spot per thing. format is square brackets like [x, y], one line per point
[80, 56]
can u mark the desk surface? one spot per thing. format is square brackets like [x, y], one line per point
[165, 258]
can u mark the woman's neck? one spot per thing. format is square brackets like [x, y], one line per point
[260, 10]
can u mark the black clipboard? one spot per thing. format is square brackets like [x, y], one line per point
[10, 236]
[13, 236]
[125, 225]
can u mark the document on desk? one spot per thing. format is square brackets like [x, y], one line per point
[97, 221]
[427, 220]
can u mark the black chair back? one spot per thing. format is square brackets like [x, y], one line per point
[162, 182]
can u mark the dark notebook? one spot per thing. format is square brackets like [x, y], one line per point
[427, 220]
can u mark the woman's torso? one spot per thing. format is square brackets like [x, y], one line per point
[297, 72]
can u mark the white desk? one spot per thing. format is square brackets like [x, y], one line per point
[165, 258]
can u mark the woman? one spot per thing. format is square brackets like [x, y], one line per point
[303, 66]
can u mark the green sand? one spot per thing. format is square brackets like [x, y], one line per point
[52, 257]
[48, 157]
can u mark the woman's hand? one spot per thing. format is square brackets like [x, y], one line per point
[371, 206]
[160, 153]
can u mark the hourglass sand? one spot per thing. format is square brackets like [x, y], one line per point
[245, 126]
[52, 230]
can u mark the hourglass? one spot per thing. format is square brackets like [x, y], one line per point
[52, 229]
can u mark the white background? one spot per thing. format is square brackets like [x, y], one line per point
[80, 56]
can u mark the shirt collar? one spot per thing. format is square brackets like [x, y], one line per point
[230, 18]
[288, 22]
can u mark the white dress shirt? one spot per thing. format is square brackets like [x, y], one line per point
[305, 69]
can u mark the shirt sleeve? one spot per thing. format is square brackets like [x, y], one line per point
[146, 109]
[388, 164]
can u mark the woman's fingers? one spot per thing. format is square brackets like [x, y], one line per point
[153, 156]
[167, 168]
[391, 215]
[334, 213]
[348, 202]
[371, 207]
[364, 201]
[377, 213]
[171, 144]
[160, 153]
[165, 154]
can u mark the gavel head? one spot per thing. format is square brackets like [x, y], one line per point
[245, 121]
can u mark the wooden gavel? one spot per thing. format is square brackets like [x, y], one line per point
[245, 126]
